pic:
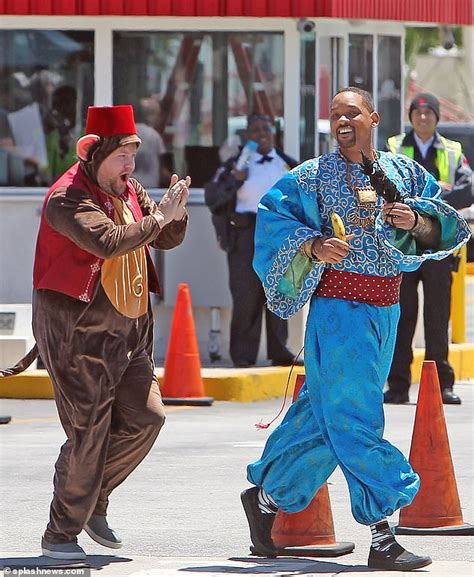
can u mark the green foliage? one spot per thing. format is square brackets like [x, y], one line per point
[420, 40]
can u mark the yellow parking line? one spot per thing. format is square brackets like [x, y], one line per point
[16, 421]
[20, 421]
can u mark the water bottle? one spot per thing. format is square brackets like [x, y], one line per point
[247, 151]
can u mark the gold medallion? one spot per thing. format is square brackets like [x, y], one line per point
[356, 219]
[363, 215]
[366, 194]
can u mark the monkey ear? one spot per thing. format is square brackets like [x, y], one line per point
[83, 145]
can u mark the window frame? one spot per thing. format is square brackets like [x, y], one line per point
[104, 27]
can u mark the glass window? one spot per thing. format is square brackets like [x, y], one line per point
[360, 61]
[46, 85]
[389, 87]
[330, 81]
[192, 93]
[307, 95]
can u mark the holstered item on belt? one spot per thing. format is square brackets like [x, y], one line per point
[243, 219]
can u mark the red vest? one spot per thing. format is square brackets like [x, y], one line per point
[60, 265]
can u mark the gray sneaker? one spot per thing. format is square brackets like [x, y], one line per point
[98, 529]
[70, 551]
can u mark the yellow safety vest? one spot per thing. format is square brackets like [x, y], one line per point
[447, 158]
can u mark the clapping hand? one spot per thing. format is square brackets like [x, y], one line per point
[172, 206]
[181, 211]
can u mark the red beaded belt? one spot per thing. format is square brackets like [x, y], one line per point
[381, 291]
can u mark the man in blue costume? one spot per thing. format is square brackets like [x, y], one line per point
[353, 286]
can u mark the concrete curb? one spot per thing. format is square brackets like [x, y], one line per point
[242, 385]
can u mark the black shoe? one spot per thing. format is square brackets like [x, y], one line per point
[396, 559]
[260, 524]
[394, 398]
[450, 398]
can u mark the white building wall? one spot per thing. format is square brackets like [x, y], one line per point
[198, 262]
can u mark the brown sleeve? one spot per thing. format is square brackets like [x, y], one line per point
[170, 235]
[73, 213]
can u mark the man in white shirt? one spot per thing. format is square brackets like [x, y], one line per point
[233, 197]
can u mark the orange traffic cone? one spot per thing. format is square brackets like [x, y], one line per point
[182, 382]
[436, 509]
[310, 532]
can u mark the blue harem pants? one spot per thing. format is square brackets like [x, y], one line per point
[338, 417]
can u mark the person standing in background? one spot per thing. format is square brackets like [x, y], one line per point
[445, 160]
[148, 167]
[60, 131]
[237, 193]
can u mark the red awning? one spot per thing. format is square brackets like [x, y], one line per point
[436, 11]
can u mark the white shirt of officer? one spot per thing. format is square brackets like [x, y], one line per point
[261, 177]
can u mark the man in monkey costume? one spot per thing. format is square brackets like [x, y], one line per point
[93, 322]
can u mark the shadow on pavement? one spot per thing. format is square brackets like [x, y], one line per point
[288, 566]
[42, 562]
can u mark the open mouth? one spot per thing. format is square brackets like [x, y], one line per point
[124, 177]
[346, 131]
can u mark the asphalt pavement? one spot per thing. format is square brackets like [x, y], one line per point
[180, 512]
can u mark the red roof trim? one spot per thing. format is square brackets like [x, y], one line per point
[161, 8]
[90, 7]
[441, 11]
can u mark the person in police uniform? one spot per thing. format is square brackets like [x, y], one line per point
[445, 160]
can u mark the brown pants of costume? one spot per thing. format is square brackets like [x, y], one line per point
[108, 401]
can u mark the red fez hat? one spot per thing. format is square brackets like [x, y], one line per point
[110, 120]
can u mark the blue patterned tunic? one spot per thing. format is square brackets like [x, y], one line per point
[338, 417]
